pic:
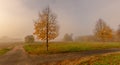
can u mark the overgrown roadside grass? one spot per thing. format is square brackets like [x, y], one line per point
[102, 59]
[69, 47]
[110, 59]
[3, 51]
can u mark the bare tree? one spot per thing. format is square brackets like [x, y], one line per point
[46, 27]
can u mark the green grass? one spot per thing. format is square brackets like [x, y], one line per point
[3, 51]
[37, 48]
[111, 59]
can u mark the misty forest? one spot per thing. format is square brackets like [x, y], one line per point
[52, 32]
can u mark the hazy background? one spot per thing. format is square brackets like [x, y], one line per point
[74, 16]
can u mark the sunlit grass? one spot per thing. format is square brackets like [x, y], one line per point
[64, 47]
[111, 59]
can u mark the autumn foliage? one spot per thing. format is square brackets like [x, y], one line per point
[46, 27]
[102, 31]
[118, 33]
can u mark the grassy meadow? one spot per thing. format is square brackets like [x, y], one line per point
[64, 47]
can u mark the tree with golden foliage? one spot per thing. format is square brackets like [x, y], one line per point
[118, 33]
[46, 27]
[102, 31]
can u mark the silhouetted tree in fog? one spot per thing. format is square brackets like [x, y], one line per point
[29, 39]
[68, 37]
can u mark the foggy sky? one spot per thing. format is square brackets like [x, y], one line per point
[74, 16]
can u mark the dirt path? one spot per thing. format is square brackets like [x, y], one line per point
[18, 56]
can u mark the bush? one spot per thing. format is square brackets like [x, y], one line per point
[29, 39]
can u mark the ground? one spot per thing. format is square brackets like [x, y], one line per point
[17, 56]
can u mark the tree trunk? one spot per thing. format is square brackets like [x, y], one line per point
[47, 30]
[47, 37]
[47, 44]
